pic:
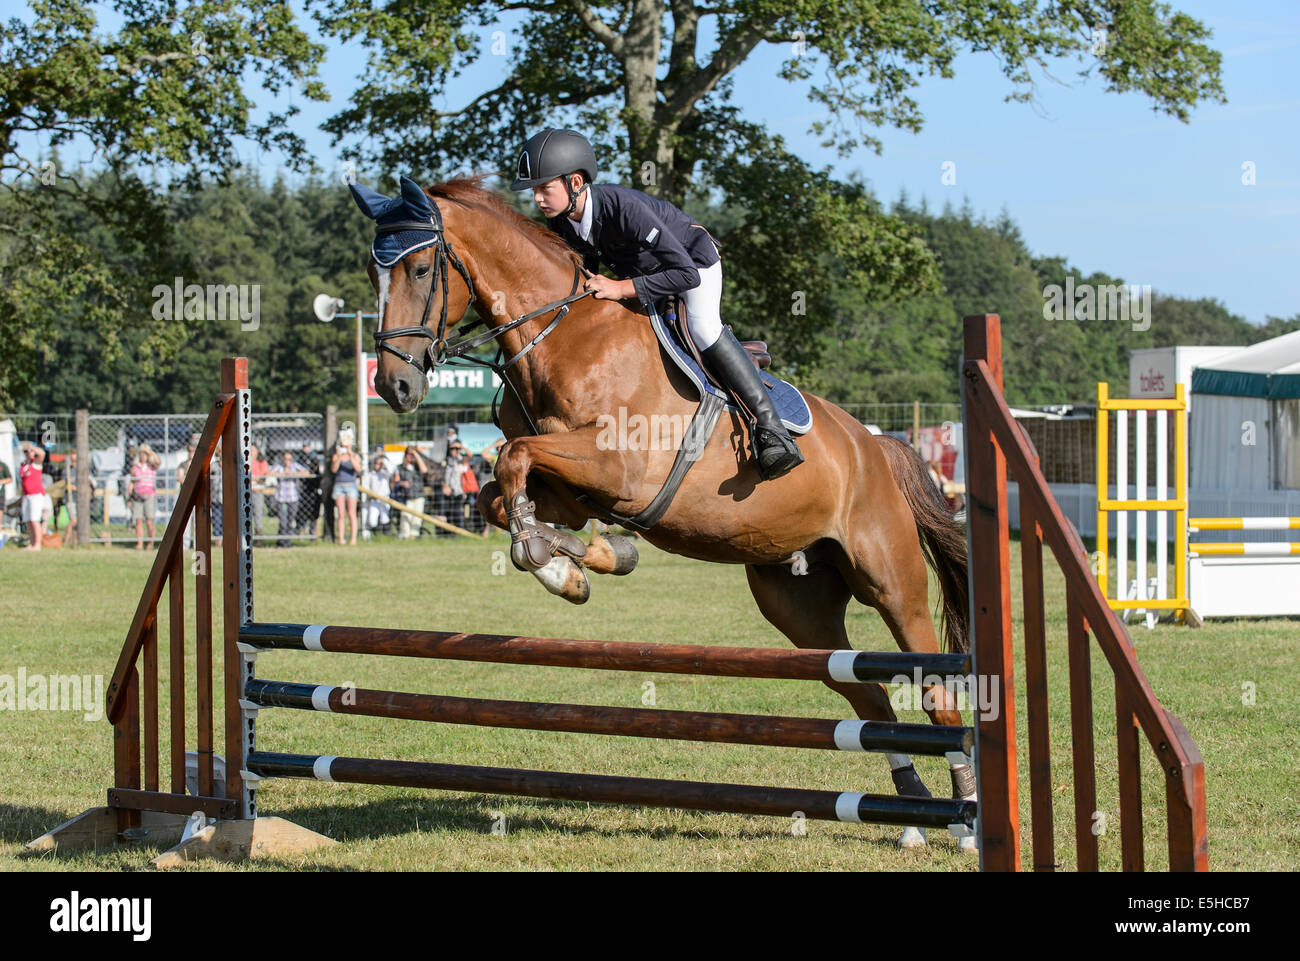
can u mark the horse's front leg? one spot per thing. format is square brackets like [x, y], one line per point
[606, 553]
[571, 458]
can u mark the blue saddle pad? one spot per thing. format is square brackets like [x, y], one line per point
[790, 404]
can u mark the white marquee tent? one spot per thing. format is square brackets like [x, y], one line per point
[1245, 431]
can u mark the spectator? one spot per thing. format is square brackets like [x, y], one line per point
[30, 477]
[142, 493]
[469, 484]
[941, 481]
[452, 490]
[182, 468]
[288, 496]
[6, 479]
[345, 465]
[312, 490]
[379, 480]
[257, 469]
[214, 490]
[408, 488]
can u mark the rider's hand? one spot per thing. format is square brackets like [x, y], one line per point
[605, 288]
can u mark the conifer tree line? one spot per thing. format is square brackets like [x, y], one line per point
[297, 240]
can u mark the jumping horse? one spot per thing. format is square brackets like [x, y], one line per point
[859, 519]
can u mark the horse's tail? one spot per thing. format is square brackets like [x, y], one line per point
[943, 539]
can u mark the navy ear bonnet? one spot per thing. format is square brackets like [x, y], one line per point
[412, 208]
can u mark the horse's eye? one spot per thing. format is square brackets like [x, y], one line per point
[421, 272]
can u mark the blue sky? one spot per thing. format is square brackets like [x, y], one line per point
[1098, 178]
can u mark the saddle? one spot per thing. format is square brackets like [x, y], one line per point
[756, 349]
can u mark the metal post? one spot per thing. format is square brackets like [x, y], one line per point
[363, 414]
[237, 576]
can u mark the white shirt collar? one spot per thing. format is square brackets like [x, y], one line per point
[584, 225]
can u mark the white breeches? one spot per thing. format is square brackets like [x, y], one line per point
[703, 307]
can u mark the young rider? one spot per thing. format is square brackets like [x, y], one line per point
[659, 251]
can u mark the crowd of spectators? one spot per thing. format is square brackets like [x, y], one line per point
[303, 494]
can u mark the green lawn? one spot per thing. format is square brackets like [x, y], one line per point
[66, 612]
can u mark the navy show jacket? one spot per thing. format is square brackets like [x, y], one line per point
[641, 237]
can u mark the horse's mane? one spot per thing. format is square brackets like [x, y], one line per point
[468, 191]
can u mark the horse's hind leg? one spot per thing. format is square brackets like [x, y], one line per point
[809, 609]
[890, 575]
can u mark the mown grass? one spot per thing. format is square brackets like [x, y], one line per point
[65, 612]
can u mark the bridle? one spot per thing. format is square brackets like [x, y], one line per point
[442, 256]
[440, 351]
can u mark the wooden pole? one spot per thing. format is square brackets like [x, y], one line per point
[767, 730]
[83, 478]
[879, 667]
[420, 514]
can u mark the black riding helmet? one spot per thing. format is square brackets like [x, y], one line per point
[555, 153]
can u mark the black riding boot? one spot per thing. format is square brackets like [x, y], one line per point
[775, 451]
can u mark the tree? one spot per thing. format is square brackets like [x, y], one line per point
[168, 87]
[631, 74]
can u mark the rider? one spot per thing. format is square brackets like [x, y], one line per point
[661, 252]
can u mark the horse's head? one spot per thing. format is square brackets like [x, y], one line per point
[423, 290]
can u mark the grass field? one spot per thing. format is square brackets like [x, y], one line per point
[66, 612]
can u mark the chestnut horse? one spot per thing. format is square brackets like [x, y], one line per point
[859, 519]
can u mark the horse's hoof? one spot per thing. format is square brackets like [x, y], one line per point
[565, 579]
[967, 844]
[911, 839]
[611, 554]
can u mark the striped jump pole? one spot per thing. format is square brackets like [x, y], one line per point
[1244, 579]
[899, 738]
[1245, 550]
[1244, 523]
[805, 665]
[846, 806]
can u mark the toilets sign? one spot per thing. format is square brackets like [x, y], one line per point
[453, 386]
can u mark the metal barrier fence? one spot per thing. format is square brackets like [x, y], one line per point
[1066, 446]
[138, 463]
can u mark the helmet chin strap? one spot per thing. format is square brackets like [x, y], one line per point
[573, 195]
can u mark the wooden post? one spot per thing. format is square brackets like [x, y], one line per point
[83, 478]
[1041, 821]
[1130, 782]
[1081, 735]
[203, 631]
[990, 565]
[176, 666]
[331, 425]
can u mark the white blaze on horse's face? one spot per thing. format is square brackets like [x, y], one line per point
[385, 274]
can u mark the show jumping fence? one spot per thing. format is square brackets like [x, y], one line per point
[140, 809]
[1211, 579]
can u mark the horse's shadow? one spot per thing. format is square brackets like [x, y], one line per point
[397, 816]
